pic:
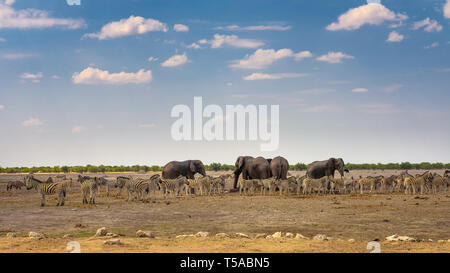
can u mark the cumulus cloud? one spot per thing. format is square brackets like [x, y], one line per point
[395, 37]
[194, 46]
[334, 57]
[96, 76]
[360, 90]
[32, 18]
[262, 76]
[262, 58]
[32, 122]
[78, 129]
[232, 40]
[428, 25]
[255, 28]
[130, 26]
[30, 76]
[371, 14]
[175, 60]
[152, 59]
[2, 107]
[180, 28]
[447, 9]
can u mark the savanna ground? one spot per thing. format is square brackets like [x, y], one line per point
[342, 217]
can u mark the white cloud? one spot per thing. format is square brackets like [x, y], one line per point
[395, 37]
[234, 41]
[371, 14]
[125, 27]
[147, 125]
[2, 40]
[428, 25]
[194, 46]
[261, 58]
[32, 18]
[176, 60]
[433, 45]
[152, 59]
[360, 90]
[393, 87]
[96, 76]
[447, 9]
[180, 28]
[32, 122]
[334, 57]
[2, 107]
[56, 77]
[255, 28]
[262, 76]
[18, 56]
[302, 55]
[229, 84]
[30, 76]
[78, 129]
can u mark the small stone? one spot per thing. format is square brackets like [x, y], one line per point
[430, 240]
[185, 236]
[144, 234]
[289, 235]
[222, 235]
[320, 237]
[242, 235]
[351, 241]
[396, 238]
[260, 236]
[269, 237]
[202, 234]
[67, 236]
[33, 234]
[298, 236]
[277, 235]
[112, 242]
[101, 232]
[11, 235]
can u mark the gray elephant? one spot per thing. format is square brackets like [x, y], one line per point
[319, 169]
[251, 168]
[279, 167]
[186, 168]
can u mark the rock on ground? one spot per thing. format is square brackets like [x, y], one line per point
[277, 235]
[320, 237]
[202, 234]
[222, 235]
[289, 235]
[101, 232]
[144, 234]
[242, 235]
[301, 237]
[33, 234]
[112, 242]
[260, 236]
[396, 238]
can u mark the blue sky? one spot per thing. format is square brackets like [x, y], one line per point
[369, 83]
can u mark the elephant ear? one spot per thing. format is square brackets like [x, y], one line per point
[241, 162]
[332, 162]
[192, 166]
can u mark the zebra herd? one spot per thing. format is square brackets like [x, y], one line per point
[421, 183]
[144, 188]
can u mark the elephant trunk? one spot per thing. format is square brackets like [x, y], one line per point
[237, 172]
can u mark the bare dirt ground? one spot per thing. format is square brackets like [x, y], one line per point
[343, 217]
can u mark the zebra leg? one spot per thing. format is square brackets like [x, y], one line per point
[42, 200]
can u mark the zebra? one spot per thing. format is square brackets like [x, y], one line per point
[153, 185]
[47, 188]
[120, 183]
[175, 186]
[108, 183]
[137, 186]
[88, 185]
[15, 184]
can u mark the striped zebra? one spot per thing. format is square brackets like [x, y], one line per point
[153, 185]
[108, 183]
[174, 186]
[138, 187]
[120, 183]
[88, 185]
[47, 188]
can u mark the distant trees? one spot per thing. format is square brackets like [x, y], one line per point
[215, 167]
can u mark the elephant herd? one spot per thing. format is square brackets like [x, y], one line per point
[255, 168]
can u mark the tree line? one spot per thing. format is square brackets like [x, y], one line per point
[214, 167]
